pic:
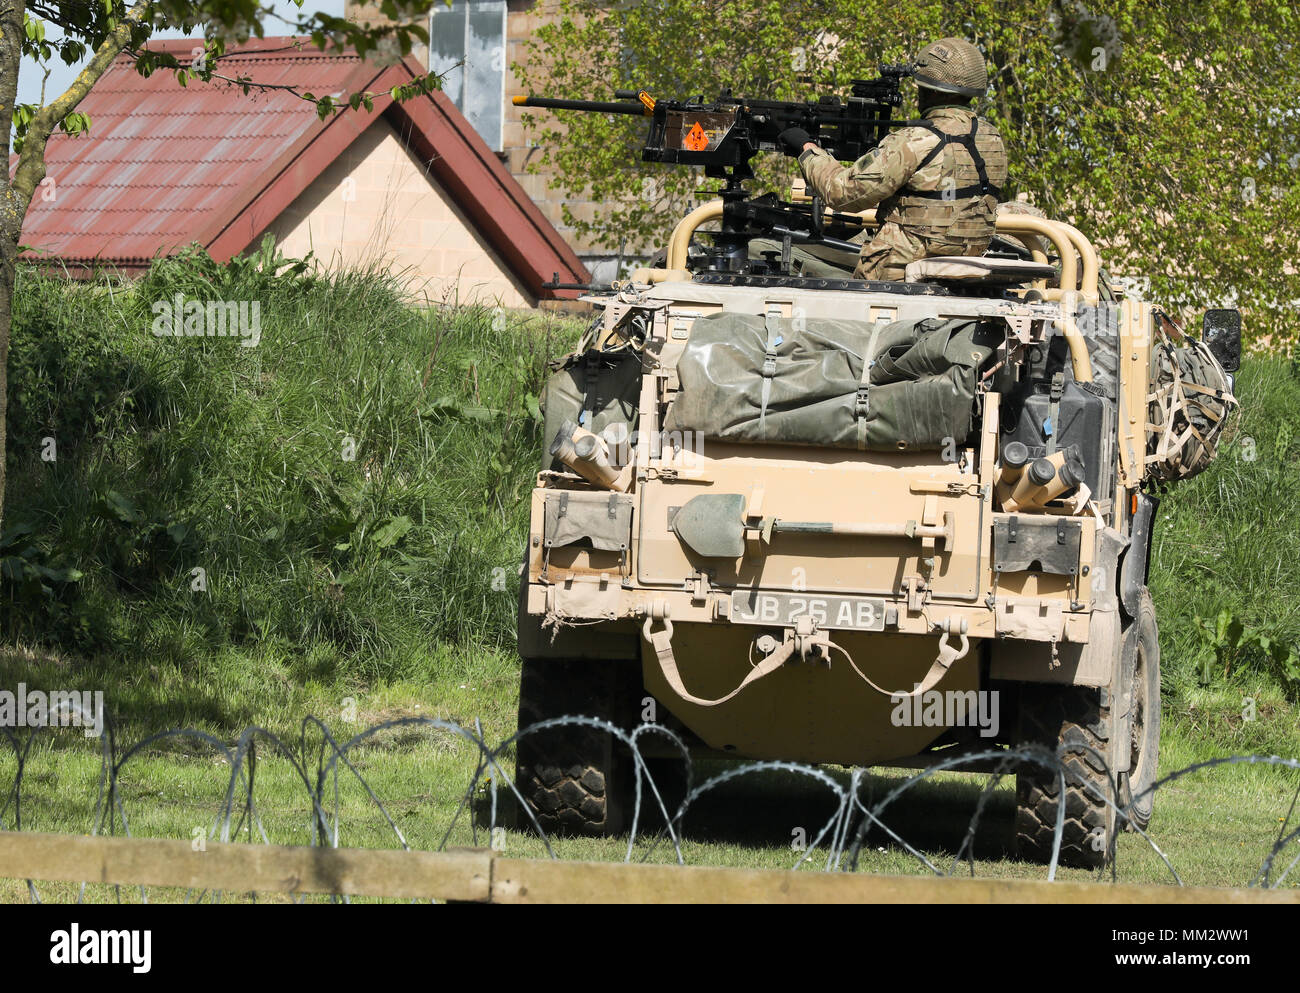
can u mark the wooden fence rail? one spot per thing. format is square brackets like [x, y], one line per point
[483, 876]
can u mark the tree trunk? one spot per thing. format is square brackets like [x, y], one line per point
[8, 255]
[16, 194]
[13, 209]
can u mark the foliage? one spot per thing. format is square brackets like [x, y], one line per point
[355, 487]
[1227, 642]
[1163, 136]
[1225, 556]
[95, 34]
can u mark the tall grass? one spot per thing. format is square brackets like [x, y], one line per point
[354, 488]
[1229, 540]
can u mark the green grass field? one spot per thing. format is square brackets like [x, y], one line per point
[352, 492]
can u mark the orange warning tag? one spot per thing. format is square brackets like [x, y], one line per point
[696, 140]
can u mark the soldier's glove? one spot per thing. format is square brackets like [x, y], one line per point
[794, 139]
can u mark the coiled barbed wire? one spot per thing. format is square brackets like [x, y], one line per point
[842, 837]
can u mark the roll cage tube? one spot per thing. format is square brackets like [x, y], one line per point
[1067, 241]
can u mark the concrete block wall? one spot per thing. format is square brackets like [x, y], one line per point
[375, 204]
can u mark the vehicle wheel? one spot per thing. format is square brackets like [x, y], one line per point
[577, 780]
[1142, 659]
[1078, 718]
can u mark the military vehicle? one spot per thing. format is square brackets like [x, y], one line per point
[795, 515]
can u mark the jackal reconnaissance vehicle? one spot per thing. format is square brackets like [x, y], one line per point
[795, 515]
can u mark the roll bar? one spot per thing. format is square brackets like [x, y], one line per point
[1066, 239]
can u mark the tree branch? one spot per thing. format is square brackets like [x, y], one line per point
[31, 163]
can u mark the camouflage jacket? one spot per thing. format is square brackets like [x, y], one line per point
[932, 186]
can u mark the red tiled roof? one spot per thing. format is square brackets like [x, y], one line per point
[164, 166]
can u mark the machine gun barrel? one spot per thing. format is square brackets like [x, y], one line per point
[592, 106]
[723, 135]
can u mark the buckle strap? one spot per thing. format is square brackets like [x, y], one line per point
[1051, 428]
[774, 340]
[590, 377]
[862, 402]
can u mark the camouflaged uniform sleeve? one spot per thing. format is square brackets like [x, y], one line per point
[878, 174]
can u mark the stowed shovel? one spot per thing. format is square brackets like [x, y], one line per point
[714, 525]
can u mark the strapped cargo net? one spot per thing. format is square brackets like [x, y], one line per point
[1190, 411]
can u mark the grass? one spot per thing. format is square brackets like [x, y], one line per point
[1227, 541]
[353, 491]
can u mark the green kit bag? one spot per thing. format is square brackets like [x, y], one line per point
[594, 389]
[906, 385]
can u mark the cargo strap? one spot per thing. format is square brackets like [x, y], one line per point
[662, 643]
[774, 341]
[1052, 426]
[967, 141]
[948, 654]
[863, 406]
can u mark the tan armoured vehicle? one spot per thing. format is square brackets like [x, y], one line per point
[793, 515]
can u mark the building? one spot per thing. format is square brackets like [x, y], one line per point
[474, 44]
[411, 186]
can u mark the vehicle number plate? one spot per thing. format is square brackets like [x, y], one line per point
[831, 612]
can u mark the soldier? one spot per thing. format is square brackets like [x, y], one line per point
[935, 185]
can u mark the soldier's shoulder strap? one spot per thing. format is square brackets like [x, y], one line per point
[967, 141]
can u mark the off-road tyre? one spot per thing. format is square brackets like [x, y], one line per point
[576, 780]
[1078, 718]
[1142, 667]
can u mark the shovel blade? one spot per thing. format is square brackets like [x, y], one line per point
[710, 525]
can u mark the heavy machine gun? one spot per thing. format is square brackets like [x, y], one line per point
[725, 134]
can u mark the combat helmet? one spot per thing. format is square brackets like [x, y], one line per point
[952, 65]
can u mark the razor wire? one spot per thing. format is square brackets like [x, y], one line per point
[318, 767]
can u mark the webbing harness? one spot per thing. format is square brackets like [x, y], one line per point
[967, 141]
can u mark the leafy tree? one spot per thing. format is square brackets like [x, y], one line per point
[1166, 131]
[96, 32]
